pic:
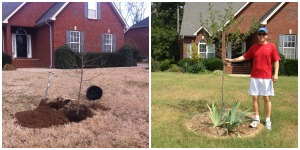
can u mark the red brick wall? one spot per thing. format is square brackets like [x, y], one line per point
[140, 38]
[73, 15]
[29, 14]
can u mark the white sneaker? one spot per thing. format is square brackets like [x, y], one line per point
[268, 125]
[254, 123]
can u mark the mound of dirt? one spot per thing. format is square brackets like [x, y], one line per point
[202, 124]
[55, 113]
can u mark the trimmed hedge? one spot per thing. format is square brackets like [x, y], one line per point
[65, 58]
[6, 59]
[127, 51]
[291, 67]
[213, 64]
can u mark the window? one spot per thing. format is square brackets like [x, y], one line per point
[188, 50]
[288, 46]
[206, 51]
[108, 43]
[92, 10]
[75, 40]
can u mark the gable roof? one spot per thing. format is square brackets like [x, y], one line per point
[140, 24]
[191, 18]
[51, 14]
[9, 9]
[264, 19]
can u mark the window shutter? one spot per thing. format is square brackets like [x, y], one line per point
[280, 43]
[81, 42]
[14, 45]
[85, 9]
[102, 43]
[68, 38]
[29, 49]
[296, 47]
[98, 10]
[114, 46]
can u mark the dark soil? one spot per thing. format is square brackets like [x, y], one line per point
[201, 124]
[55, 113]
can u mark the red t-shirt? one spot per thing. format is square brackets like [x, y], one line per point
[263, 57]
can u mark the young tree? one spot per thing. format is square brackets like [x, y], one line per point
[224, 29]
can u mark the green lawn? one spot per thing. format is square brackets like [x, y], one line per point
[176, 97]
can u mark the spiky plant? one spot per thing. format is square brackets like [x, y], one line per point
[215, 114]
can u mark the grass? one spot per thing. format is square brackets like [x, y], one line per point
[176, 97]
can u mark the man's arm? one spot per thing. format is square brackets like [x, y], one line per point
[276, 68]
[239, 59]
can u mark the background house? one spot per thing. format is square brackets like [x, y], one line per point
[32, 31]
[138, 35]
[281, 19]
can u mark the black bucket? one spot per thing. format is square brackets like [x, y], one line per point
[94, 93]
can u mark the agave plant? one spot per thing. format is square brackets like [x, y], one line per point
[233, 118]
[215, 114]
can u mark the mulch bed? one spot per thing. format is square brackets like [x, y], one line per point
[201, 124]
[55, 113]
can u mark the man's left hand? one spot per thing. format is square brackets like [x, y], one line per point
[275, 78]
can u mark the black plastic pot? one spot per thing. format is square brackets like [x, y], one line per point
[94, 93]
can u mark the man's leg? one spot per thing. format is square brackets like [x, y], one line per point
[255, 103]
[267, 104]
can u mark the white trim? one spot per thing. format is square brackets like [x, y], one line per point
[14, 45]
[195, 33]
[11, 14]
[265, 22]
[57, 12]
[29, 49]
[119, 14]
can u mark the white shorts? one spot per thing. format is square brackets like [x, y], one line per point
[261, 87]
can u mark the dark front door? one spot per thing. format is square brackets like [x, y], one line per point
[21, 45]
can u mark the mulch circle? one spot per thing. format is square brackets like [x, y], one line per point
[201, 124]
[55, 113]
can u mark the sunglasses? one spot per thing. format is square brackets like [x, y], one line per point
[262, 34]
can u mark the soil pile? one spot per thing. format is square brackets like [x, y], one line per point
[202, 124]
[58, 112]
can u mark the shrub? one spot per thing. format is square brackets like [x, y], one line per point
[65, 58]
[6, 59]
[184, 61]
[213, 64]
[175, 68]
[154, 65]
[196, 68]
[9, 67]
[113, 60]
[291, 67]
[281, 70]
[127, 51]
[165, 65]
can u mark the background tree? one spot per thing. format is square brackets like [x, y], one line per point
[164, 30]
[132, 12]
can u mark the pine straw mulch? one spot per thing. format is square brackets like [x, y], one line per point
[201, 124]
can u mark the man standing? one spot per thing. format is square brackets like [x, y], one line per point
[261, 83]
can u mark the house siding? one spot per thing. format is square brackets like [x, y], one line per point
[140, 38]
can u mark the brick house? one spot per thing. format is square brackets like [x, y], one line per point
[32, 31]
[281, 19]
[138, 35]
